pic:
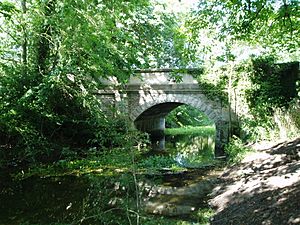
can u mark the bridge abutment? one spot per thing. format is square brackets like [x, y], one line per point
[222, 137]
[155, 128]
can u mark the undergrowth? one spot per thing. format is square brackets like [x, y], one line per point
[236, 150]
[191, 130]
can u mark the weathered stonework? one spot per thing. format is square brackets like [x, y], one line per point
[150, 96]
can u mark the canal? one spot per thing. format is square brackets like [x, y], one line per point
[177, 178]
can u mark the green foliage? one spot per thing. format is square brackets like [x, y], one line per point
[287, 120]
[157, 162]
[109, 201]
[204, 215]
[268, 23]
[7, 8]
[42, 122]
[256, 88]
[186, 116]
[267, 94]
[171, 43]
[294, 110]
[103, 163]
[214, 91]
[53, 55]
[214, 88]
[191, 147]
[236, 150]
[266, 88]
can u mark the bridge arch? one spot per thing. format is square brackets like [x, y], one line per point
[150, 108]
[199, 102]
[151, 94]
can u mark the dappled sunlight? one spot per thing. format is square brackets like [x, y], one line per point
[138, 112]
[160, 77]
[266, 180]
[144, 96]
[176, 6]
[283, 180]
[255, 156]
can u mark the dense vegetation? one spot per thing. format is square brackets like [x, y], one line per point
[263, 94]
[186, 115]
[244, 45]
[54, 55]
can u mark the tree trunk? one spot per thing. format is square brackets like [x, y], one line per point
[43, 48]
[25, 42]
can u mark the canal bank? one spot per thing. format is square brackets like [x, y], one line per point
[117, 187]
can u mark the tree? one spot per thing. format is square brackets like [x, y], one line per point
[52, 55]
[269, 23]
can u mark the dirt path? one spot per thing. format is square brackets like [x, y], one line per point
[263, 189]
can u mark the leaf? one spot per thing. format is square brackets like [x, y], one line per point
[71, 77]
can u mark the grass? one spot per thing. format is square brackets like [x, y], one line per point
[106, 164]
[203, 130]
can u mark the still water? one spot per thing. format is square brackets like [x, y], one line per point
[91, 198]
[191, 151]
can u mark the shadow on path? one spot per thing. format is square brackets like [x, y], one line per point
[263, 189]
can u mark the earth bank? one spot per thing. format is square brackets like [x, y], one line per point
[263, 189]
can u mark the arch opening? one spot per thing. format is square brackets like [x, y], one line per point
[190, 136]
[150, 108]
[153, 121]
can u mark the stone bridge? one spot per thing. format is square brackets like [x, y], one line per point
[151, 94]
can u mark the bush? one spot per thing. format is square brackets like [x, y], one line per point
[40, 120]
[236, 150]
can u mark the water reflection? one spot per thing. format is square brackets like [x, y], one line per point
[89, 199]
[191, 150]
[157, 139]
[42, 201]
[188, 149]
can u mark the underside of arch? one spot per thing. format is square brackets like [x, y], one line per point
[152, 105]
[152, 95]
[152, 120]
[161, 109]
